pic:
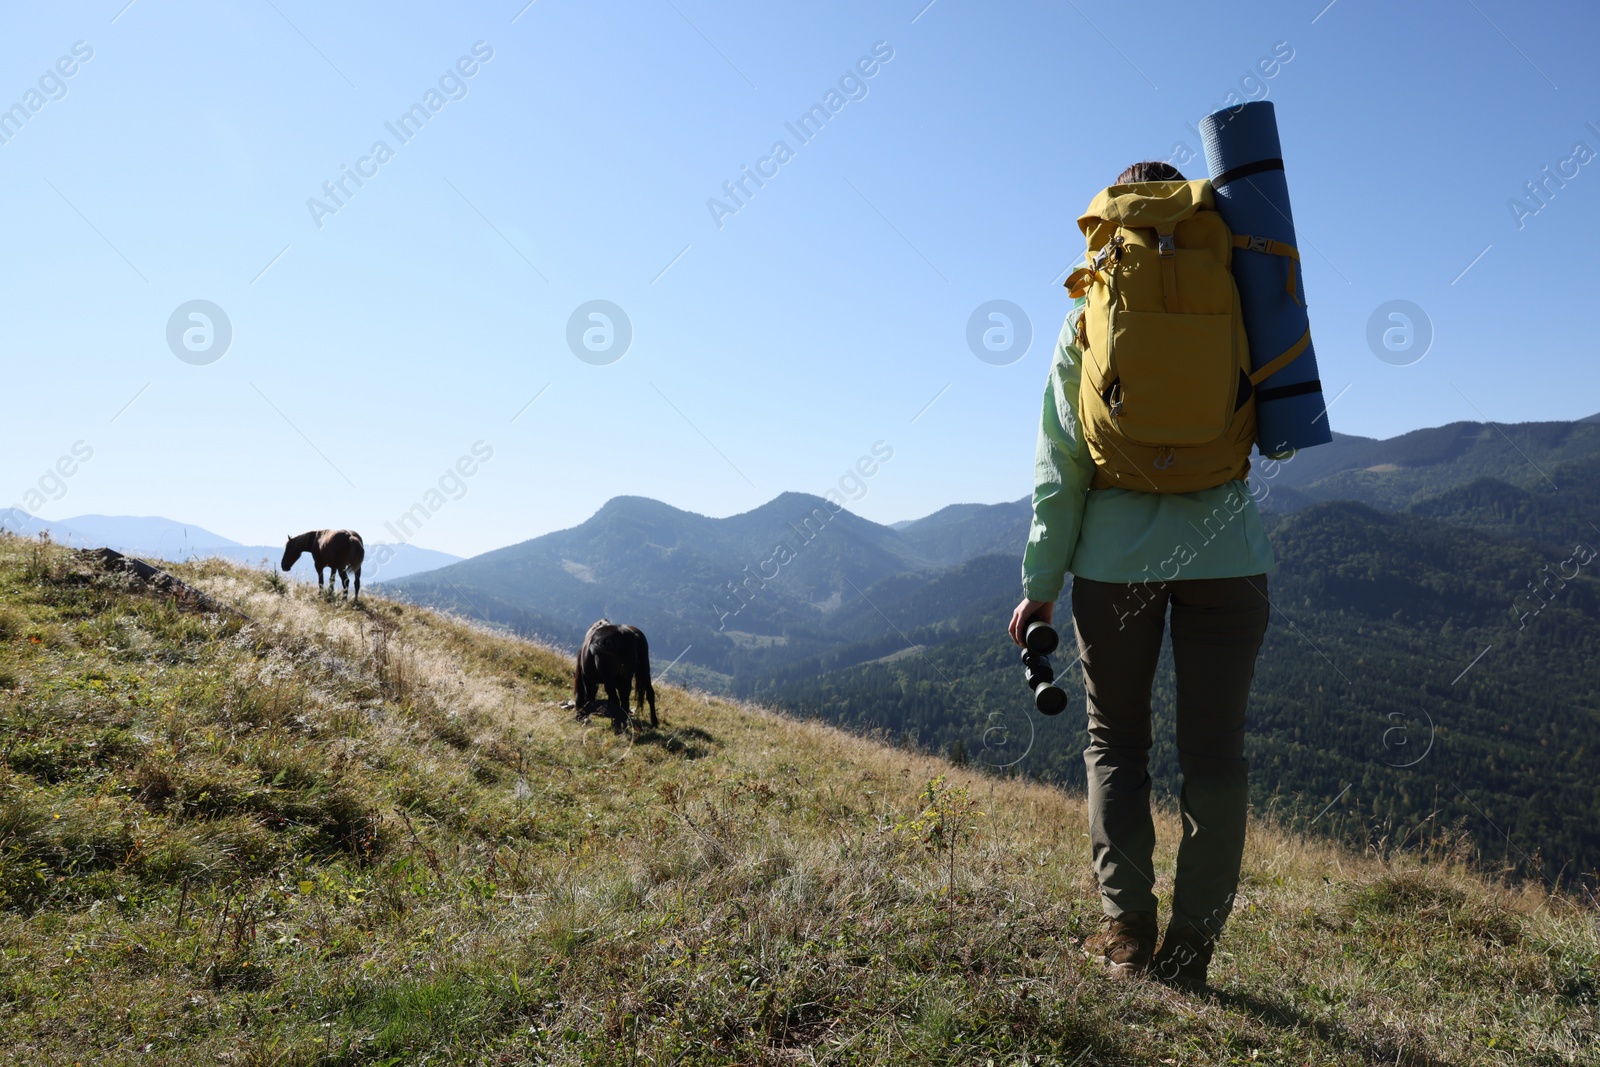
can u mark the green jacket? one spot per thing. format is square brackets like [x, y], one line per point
[1123, 535]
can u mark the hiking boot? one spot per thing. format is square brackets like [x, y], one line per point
[1185, 954]
[1130, 943]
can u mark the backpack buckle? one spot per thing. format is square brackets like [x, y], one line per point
[1113, 397]
[1260, 244]
[1165, 245]
[1112, 250]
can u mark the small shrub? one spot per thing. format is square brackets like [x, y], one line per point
[948, 819]
[43, 562]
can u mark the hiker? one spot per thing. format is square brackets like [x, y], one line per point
[1140, 495]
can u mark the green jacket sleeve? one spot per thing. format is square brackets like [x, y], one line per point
[1062, 469]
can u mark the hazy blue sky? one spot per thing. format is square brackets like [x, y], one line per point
[375, 344]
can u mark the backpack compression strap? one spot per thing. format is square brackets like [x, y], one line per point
[1272, 248]
[1283, 359]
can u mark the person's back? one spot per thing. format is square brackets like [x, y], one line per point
[1132, 554]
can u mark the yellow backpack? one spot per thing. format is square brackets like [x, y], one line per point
[1167, 399]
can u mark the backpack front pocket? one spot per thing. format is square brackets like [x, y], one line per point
[1173, 378]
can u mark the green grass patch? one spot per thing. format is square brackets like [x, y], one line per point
[339, 834]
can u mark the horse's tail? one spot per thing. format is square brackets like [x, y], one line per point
[641, 672]
[577, 676]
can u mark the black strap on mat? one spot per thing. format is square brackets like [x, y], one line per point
[1244, 170]
[1280, 392]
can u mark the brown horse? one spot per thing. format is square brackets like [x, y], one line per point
[340, 551]
[617, 657]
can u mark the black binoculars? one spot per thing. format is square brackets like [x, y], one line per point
[1039, 640]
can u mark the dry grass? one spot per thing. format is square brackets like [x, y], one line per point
[341, 836]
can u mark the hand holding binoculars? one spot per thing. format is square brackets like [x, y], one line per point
[1039, 640]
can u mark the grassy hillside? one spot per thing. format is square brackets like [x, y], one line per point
[316, 834]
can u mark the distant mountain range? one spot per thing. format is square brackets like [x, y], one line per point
[769, 586]
[158, 538]
[786, 581]
[1400, 560]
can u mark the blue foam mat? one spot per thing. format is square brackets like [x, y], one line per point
[1257, 203]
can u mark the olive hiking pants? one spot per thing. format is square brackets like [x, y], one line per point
[1217, 628]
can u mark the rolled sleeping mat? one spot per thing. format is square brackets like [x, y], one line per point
[1246, 163]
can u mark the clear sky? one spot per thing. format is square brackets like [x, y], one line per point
[378, 335]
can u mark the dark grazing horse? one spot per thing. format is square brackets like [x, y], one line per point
[616, 657]
[339, 551]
